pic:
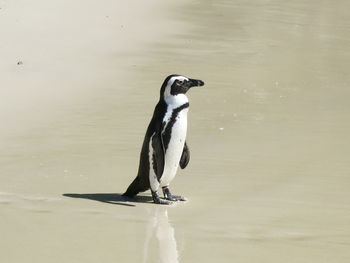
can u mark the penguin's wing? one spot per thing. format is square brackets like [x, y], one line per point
[185, 157]
[158, 151]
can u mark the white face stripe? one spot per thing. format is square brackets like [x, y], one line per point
[170, 83]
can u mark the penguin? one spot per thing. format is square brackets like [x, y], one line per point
[164, 148]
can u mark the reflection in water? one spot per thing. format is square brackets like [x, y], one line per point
[160, 227]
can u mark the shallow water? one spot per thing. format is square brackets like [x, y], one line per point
[268, 179]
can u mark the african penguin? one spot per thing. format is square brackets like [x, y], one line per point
[164, 147]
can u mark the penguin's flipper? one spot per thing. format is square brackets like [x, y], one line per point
[158, 151]
[185, 157]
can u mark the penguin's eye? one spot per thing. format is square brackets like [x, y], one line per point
[180, 82]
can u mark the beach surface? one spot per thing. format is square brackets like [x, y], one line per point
[269, 175]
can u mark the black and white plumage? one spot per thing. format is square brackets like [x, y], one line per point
[164, 147]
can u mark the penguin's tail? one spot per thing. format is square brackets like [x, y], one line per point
[133, 189]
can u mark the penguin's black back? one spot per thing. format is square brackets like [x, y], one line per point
[141, 182]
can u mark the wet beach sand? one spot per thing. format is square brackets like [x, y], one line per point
[268, 179]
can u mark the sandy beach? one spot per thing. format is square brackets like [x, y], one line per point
[268, 179]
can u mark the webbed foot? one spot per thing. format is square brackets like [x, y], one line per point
[171, 197]
[159, 201]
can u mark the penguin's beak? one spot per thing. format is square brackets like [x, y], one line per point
[195, 83]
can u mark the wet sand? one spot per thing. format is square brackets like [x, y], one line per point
[268, 179]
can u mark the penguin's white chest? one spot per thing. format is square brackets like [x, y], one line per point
[175, 147]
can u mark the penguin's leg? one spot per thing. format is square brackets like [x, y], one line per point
[155, 165]
[154, 183]
[169, 196]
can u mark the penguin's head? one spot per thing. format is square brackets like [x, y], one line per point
[174, 85]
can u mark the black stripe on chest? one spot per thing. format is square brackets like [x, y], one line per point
[166, 135]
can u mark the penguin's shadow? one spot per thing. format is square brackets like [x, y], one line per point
[112, 198]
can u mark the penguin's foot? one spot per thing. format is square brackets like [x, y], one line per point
[169, 196]
[157, 199]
